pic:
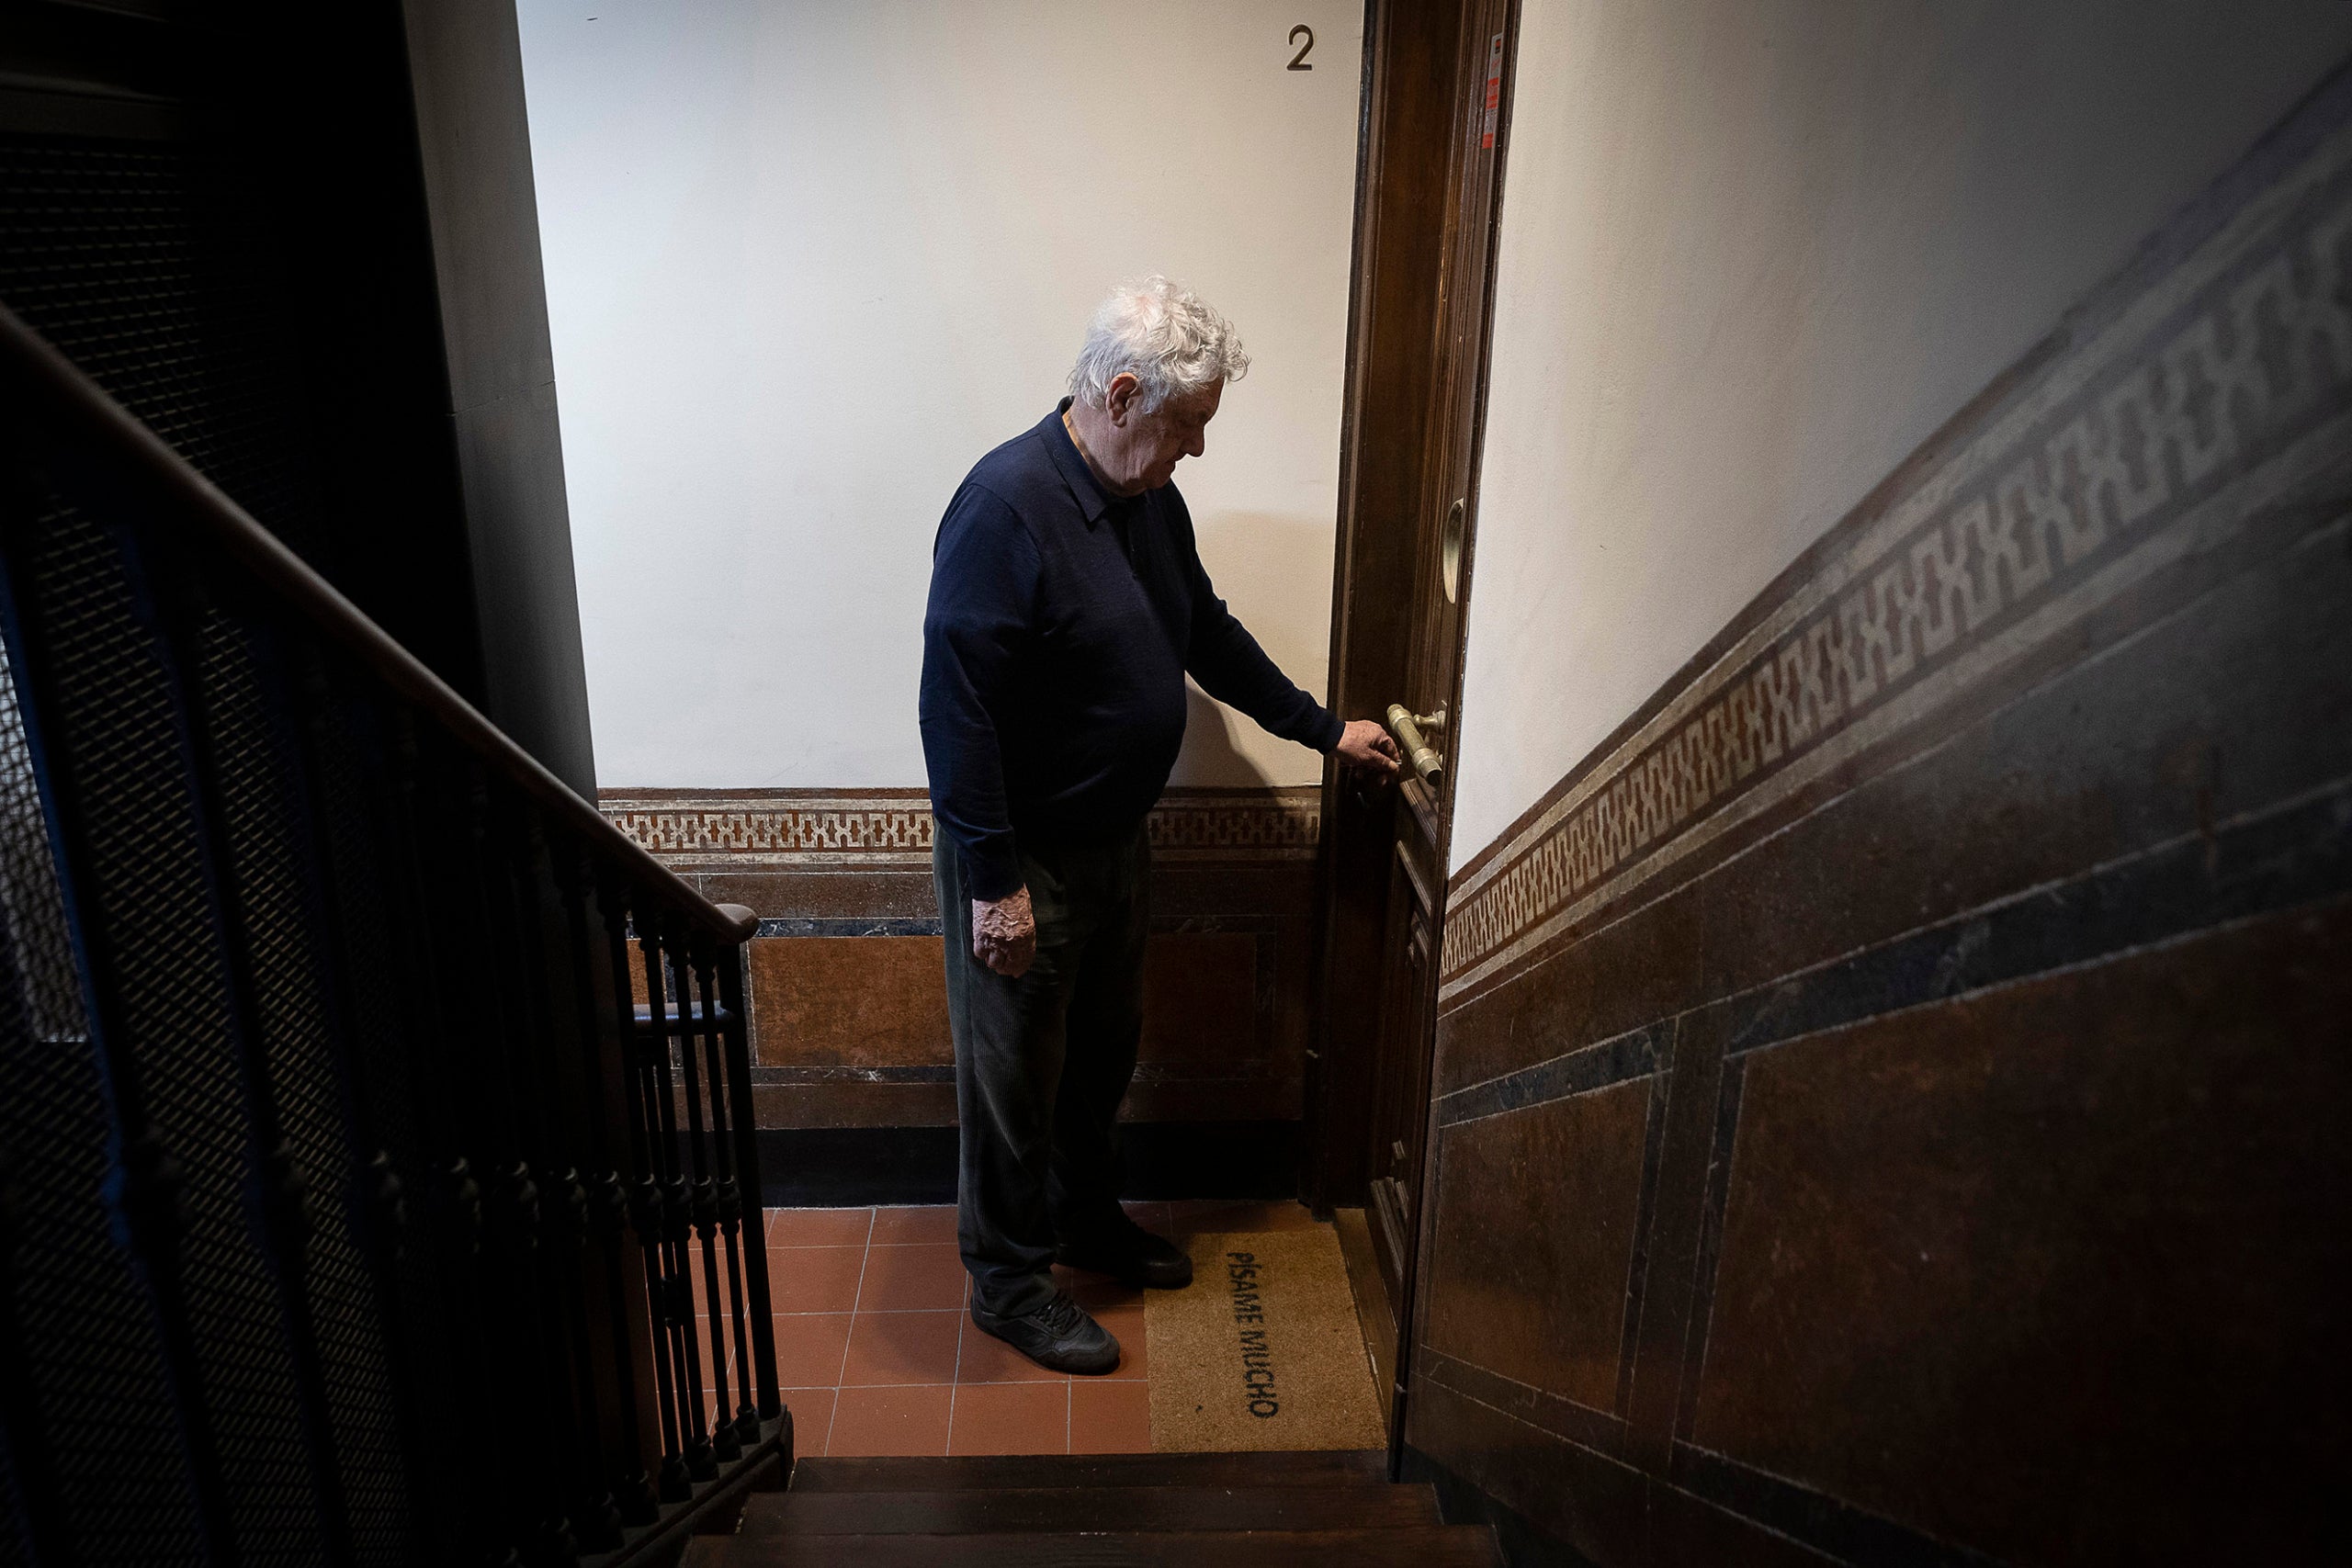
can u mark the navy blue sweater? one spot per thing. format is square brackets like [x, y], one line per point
[1061, 625]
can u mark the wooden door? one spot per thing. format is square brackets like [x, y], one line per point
[1407, 540]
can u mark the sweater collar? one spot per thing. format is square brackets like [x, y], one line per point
[1094, 500]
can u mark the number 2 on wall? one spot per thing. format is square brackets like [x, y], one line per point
[1298, 61]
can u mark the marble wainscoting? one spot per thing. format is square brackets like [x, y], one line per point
[849, 1013]
[1889, 1099]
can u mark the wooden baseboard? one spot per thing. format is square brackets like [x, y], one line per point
[829, 1168]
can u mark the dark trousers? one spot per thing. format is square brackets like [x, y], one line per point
[1043, 1061]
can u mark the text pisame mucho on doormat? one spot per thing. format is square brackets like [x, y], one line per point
[1241, 1271]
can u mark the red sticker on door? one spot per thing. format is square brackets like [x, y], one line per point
[1494, 88]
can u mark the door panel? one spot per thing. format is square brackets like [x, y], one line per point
[1412, 542]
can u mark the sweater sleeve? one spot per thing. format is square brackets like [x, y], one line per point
[1230, 666]
[983, 591]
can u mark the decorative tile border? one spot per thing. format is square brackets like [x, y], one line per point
[890, 828]
[2212, 385]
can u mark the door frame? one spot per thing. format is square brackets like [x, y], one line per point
[1413, 67]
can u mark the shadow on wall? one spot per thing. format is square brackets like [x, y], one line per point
[1270, 567]
[1210, 757]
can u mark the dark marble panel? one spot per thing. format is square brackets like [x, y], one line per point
[848, 892]
[2084, 1227]
[1588, 1502]
[849, 1024]
[1272, 1095]
[1687, 1154]
[1599, 1430]
[1534, 1238]
[854, 1103]
[1183, 892]
[2114, 757]
[1627, 973]
[1996, 1182]
[858, 1001]
[1180, 890]
[1687, 1530]
[1560, 1502]
[846, 991]
[1200, 997]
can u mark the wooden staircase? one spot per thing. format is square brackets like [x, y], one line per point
[1259, 1510]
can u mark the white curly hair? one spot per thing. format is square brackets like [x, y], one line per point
[1164, 335]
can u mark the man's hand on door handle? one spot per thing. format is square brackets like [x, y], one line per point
[1365, 748]
[1004, 933]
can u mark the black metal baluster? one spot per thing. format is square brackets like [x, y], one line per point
[730, 1195]
[678, 1207]
[603, 1067]
[595, 1518]
[446, 1281]
[509, 1186]
[684, 948]
[746, 1135]
[662, 1132]
[376, 1096]
[645, 1215]
[521, 1200]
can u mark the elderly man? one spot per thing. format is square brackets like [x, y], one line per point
[1068, 603]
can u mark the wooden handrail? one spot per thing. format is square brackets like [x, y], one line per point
[58, 391]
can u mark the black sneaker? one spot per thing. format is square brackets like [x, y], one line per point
[1058, 1335]
[1129, 1254]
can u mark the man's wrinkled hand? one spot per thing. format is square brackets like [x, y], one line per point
[1365, 747]
[1004, 933]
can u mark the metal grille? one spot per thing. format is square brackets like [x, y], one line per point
[103, 1404]
[139, 264]
[253, 770]
[129, 768]
[319, 923]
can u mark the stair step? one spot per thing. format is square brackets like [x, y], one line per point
[1126, 1510]
[1421, 1546]
[1325, 1468]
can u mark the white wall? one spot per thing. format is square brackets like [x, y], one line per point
[807, 261]
[1753, 253]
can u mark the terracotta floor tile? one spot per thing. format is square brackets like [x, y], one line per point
[1077, 1279]
[819, 1227]
[716, 1371]
[890, 1421]
[1090, 1290]
[725, 1295]
[809, 1347]
[812, 1418]
[987, 1358]
[1110, 1418]
[928, 1278]
[1011, 1419]
[899, 1227]
[902, 1347]
[814, 1278]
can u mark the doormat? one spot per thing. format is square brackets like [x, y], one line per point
[1261, 1352]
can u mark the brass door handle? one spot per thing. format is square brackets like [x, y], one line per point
[1408, 727]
